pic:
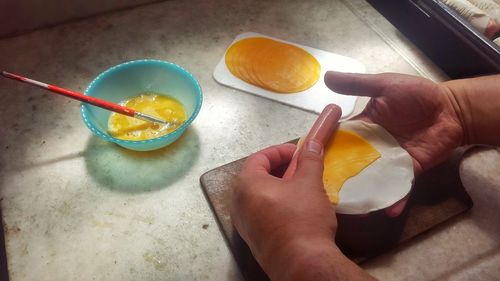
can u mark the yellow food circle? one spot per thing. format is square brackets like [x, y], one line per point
[160, 106]
[346, 155]
[272, 65]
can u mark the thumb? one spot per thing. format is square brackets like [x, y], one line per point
[310, 162]
[370, 85]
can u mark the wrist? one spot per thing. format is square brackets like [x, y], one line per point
[457, 109]
[312, 259]
[297, 257]
[320, 260]
[476, 102]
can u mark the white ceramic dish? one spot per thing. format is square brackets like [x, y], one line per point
[313, 99]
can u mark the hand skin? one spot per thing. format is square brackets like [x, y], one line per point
[289, 224]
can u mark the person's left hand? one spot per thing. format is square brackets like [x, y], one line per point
[274, 215]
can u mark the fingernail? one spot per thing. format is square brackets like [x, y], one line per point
[314, 146]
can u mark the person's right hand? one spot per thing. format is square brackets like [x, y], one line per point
[419, 113]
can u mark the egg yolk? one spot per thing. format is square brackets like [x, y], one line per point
[346, 155]
[154, 104]
[272, 65]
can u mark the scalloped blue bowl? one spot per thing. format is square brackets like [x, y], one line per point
[129, 79]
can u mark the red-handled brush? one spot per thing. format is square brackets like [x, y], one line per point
[87, 99]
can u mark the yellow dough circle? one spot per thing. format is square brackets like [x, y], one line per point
[346, 155]
[272, 65]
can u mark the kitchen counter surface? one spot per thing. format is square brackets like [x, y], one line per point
[77, 208]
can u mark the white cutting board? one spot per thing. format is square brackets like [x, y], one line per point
[313, 99]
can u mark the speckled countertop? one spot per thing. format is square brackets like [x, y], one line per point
[77, 208]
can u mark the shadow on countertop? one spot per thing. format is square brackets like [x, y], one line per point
[122, 170]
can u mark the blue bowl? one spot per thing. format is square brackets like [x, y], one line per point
[129, 79]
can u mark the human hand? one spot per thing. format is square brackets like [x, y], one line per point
[287, 219]
[417, 112]
[289, 223]
[273, 215]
